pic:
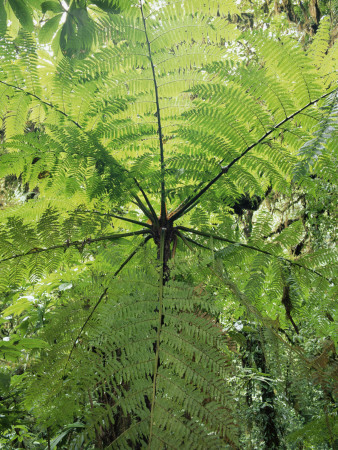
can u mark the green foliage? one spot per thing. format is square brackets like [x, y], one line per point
[135, 132]
[23, 13]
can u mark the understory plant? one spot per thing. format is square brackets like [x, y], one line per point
[142, 306]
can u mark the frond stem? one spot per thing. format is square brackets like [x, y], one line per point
[163, 212]
[159, 329]
[225, 169]
[139, 203]
[148, 202]
[196, 243]
[50, 105]
[125, 262]
[80, 244]
[30, 94]
[184, 240]
[219, 238]
[83, 326]
[125, 219]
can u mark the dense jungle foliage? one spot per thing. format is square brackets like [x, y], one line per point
[167, 224]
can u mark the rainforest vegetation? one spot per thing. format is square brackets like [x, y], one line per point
[167, 224]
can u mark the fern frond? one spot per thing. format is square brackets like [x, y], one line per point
[131, 110]
[312, 150]
[319, 45]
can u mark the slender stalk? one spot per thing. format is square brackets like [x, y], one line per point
[80, 244]
[278, 126]
[30, 94]
[163, 212]
[197, 243]
[187, 203]
[148, 202]
[142, 207]
[178, 208]
[132, 255]
[125, 262]
[159, 329]
[219, 238]
[125, 219]
[184, 239]
[84, 325]
[194, 199]
[51, 105]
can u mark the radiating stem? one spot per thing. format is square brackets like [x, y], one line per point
[125, 219]
[219, 238]
[125, 262]
[139, 203]
[59, 111]
[188, 239]
[192, 201]
[110, 237]
[184, 240]
[163, 211]
[148, 203]
[159, 329]
[30, 94]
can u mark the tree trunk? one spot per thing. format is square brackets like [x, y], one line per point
[268, 412]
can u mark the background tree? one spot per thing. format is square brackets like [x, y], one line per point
[168, 275]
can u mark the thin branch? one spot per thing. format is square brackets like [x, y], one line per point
[102, 297]
[95, 141]
[225, 169]
[83, 326]
[126, 219]
[178, 208]
[219, 238]
[132, 255]
[148, 202]
[163, 212]
[80, 244]
[126, 431]
[142, 207]
[184, 239]
[197, 243]
[159, 329]
[30, 94]
[194, 199]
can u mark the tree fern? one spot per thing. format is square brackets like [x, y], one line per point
[147, 132]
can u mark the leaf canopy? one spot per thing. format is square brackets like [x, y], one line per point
[139, 128]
